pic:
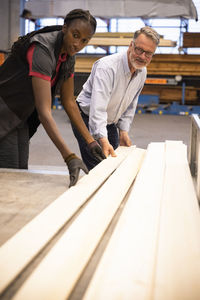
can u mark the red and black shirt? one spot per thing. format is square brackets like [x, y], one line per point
[44, 61]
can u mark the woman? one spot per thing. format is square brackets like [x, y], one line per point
[41, 64]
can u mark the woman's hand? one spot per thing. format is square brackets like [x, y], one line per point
[75, 164]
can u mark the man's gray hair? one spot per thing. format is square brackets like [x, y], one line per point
[149, 32]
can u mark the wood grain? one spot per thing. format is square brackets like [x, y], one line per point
[19, 250]
[57, 274]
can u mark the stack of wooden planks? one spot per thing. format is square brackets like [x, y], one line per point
[191, 40]
[121, 39]
[167, 94]
[130, 229]
[161, 64]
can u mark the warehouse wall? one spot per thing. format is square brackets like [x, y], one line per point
[9, 22]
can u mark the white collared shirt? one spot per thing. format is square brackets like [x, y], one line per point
[110, 94]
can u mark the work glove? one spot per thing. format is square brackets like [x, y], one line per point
[96, 151]
[74, 165]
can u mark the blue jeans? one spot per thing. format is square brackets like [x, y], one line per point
[89, 160]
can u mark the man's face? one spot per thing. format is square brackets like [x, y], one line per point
[76, 36]
[140, 52]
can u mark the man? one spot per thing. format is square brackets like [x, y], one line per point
[109, 97]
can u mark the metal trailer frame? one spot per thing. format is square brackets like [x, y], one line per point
[194, 152]
[150, 104]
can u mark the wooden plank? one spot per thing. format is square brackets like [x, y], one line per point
[123, 41]
[56, 275]
[170, 269]
[116, 34]
[127, 265]
[178, 260]
[194, 152]
[111, 41]
[175, 64]
[84, 63]
[191, 40]
[18, 251]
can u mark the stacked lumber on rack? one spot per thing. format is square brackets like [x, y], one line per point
[168, 93]
[191, 40]
[121, 39]
[131, 231]
[161, 64]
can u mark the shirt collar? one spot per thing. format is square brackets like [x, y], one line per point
[126, 66]
[62, 57]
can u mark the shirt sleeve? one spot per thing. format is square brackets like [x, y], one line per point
[40, 62]
[126, 119]
[101, 91]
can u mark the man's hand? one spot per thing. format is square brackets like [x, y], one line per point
[74, 165]
[96, 151]
[124, 139]
[107, 147]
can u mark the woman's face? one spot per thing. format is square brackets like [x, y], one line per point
[76, 36]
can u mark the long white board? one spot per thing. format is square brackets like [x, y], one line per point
[154, 253]
[18, 251]
[58, 272]
[127, 265]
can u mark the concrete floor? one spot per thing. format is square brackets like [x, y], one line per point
[23, 195]
[146, 128]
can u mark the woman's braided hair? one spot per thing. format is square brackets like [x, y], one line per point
[81, 14]
[20, 47]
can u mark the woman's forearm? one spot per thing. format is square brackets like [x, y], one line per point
[53, 132]
[74, 114]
